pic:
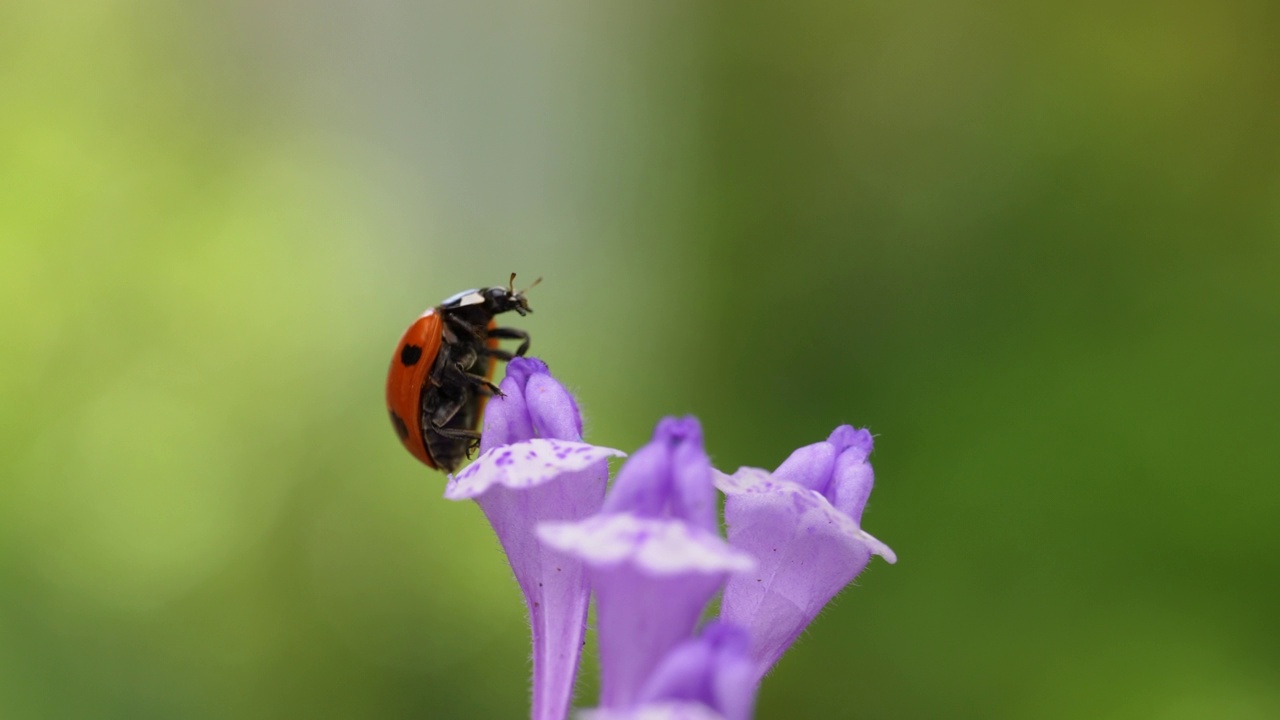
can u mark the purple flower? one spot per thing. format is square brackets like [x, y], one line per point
[709, 677]
[534, 468]
[672, 710]
[801, 523]
[655, 557]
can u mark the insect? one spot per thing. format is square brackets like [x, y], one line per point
[441, 372]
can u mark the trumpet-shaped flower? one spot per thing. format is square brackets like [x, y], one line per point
[534, 468]
[655, 557]
[802, 525]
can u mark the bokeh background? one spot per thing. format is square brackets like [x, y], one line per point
[1033, 247]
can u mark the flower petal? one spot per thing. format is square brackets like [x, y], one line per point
[533, 404]
[652, 578]
[714, 669]
[552, 408]
[851, 482]
[534, 469]
[806, 508]
[668, 477]
[809, 466]
[524, 465]
[656, 546]
[806, 551]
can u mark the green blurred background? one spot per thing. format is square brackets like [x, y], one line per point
[1033, 247]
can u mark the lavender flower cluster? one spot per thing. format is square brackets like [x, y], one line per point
[651, 551]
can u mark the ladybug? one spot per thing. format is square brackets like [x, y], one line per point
[441, 372]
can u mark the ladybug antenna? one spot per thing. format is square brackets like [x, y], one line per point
[511, 285]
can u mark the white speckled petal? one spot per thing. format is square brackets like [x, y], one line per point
[809, 508]
[653, 545]
[651, 577]
[525, 465]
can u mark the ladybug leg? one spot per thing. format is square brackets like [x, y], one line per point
[445, 412]
[458, 375]
[458, 325]
[444, 415]
[457, 434]
[460, 372]
[465, 358]
[480, 384]
[512, 334]
[502, 355]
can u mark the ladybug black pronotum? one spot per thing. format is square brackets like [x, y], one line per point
[442, 370]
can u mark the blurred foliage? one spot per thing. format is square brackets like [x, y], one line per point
[1033, 248]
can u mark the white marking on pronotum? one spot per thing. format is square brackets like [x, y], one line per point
[464, 298]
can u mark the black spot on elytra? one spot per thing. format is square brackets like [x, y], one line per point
[410, 354]
[401, 429]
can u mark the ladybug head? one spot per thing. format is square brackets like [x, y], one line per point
[504, 299]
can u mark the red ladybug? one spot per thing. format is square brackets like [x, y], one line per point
[441, 372]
